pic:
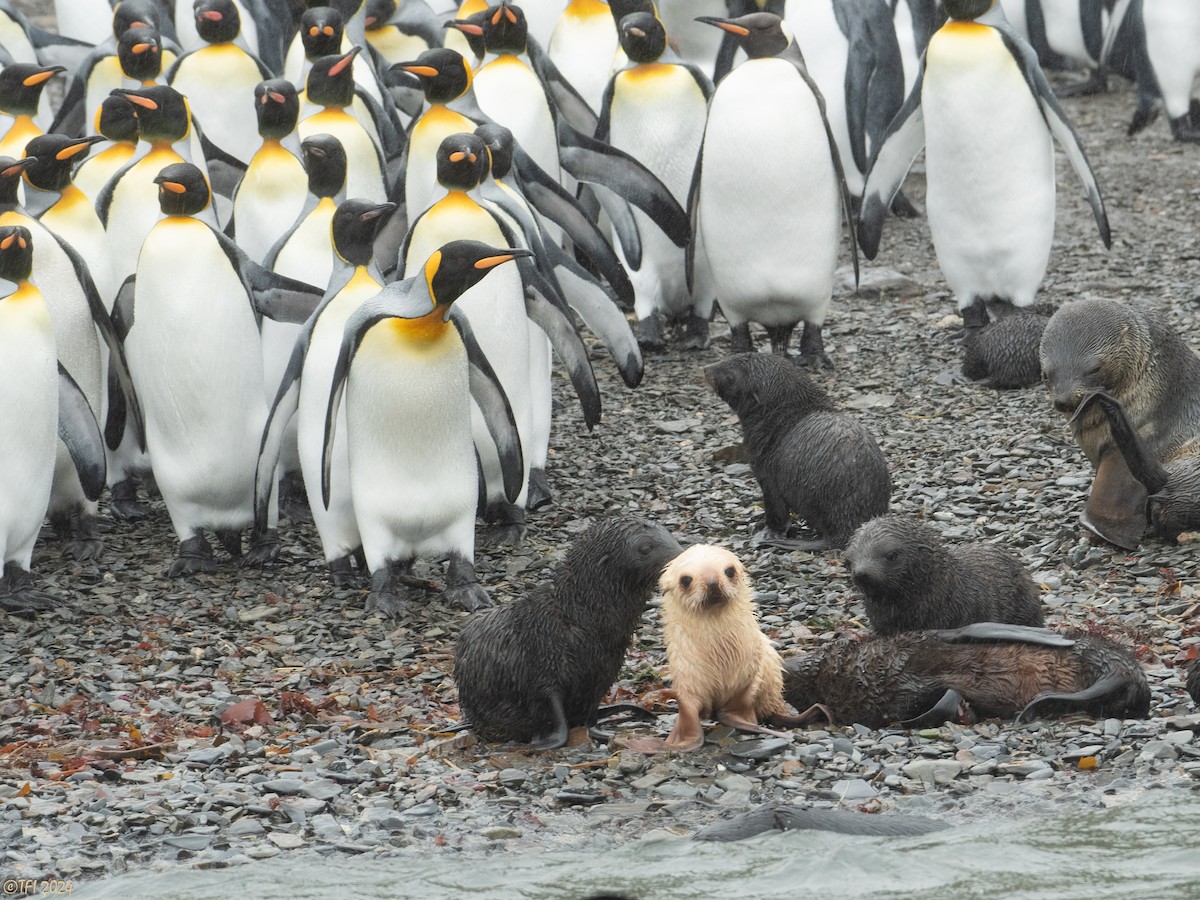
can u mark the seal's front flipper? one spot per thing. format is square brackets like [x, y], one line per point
[953, 707]
[1116, 507]
[990, 632]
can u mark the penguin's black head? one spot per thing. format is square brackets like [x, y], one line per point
[277, 106]
[354, 226]
[462, 161]
[458, 266]
[331, 79]
[967, 10]
[443, 74]
[21, 87]
[505, 29]
[622, 8]
[139, 51]
[499, 142]
[56, 156]
[321, 30]
[16, 253]
[325, 163]
[117, 119]
[472, 29]
[759, 34]
[643, 37]
[217, 21]
[135, 13]
[161, 110]
[378, 13]
[10, 177]
[182, 190]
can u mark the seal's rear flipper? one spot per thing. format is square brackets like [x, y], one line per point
[987, 632]
[618, 709]
[556, 737]
[1097, 691]
[953, 707]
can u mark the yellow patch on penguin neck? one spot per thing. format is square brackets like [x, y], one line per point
[361, 279]
[959, 28]
[646, 71]
[25, 293]
[504, 60]
[456, 201]
[425, 332]
[586, 9]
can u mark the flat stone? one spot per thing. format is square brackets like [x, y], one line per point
[285, 786]
[736, 784]
[324, 789]
[851, 789]
[246, 826]
[1023, 769]
[286, 841]
[501, 833]
[933, 771]
[759, 749]
[192, 842]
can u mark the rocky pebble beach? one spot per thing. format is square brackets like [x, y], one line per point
[243, 715]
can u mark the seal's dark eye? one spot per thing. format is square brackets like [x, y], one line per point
[891, 555]
[731, 573]
[685, 582]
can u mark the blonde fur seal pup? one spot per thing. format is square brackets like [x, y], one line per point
[721, 663]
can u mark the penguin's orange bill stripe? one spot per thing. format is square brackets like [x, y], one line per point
[337, 67]
[733, 29]
[68, 152]
[457, 156]
[21, 243]
[469, 28]
[212, 15]
[327, 31]
[7, 242]
[139, 49]
[39, 77]
[276, 96]
[427, 71]
[496, 16]
[510, 15]
[19, 167]
[174, 187]
[144, 102]
[314, 31]
[490, 262]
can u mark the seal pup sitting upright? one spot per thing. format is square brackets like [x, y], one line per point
[1130, 353]
[530, 670]
[809, 457]
[721, 662]
[910, 580]
[923, 677]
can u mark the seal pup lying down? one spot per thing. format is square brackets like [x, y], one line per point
[910, 580]
[721, 663]
[998, 670]
[530, 670]
[809, 457]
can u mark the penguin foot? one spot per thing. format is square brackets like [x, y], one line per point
[1182, 130]
[739, 338]
[17, 595]
[650, 334]
[293, 498]
[902, 207]
[974, 315]
[539, 493]
[769, 537]
[230, 540]
[123, 503]
[151, 484]
[387, 603]
[342, 573]
[780, 336]
[264, 548]
[695, 333]
[462, 587]
[812, 348]
[195, 556]
[506, 525]
[1096, 83]
[85, 543]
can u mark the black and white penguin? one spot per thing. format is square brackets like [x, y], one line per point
[21, 86]
[400, 31]
[1168, 47]
[981, 103]
[303, 391]
[656, 111]
[39, 404]
[771, 262]
[409, 380]
[584, 47]
[190, 322]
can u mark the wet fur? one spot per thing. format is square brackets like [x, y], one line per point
[809, 458]
[568, 637]
[879, 681]
[1193, 682]
[931, 585]
[1004, 353]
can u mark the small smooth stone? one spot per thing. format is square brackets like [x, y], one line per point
[759, 749]
[285, 841]
[501, 833]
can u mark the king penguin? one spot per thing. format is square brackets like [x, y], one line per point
[1170, 37]
[190, 319]
[117, 121]
[772, 262]
[304, 388]
[39, 404]
[409, 377]
[987, 118]
[21, 88]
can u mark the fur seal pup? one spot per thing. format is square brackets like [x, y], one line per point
[1193, 682]
[999, 670]
[789, 817]
[809, 457]
[529, 670]
[1130, 352]
[910, 580]
[721, 662]
[1004, 353]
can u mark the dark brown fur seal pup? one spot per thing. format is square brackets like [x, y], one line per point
[721, 662]
[1132, 354]
[1193, 682]
[910, 580]
[809, 457]
[787, 817]
[529, 670]
[1004, 354]
[999, 670]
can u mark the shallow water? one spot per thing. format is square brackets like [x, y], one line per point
[1149, 846]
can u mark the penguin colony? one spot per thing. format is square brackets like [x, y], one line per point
[325, 258]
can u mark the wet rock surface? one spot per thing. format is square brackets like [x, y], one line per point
[122, 745]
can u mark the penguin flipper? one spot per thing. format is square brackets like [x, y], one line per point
[38, 201]
[122, 319]
[272, 295]
[567, 100]
[78, 430]
[564, 337]
[547, 196]
[601, 315]
[1056, 119]
[859, 68]
[225, 171]
[990, 632]
[596, 162]
[905, 138]
[489, 395]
